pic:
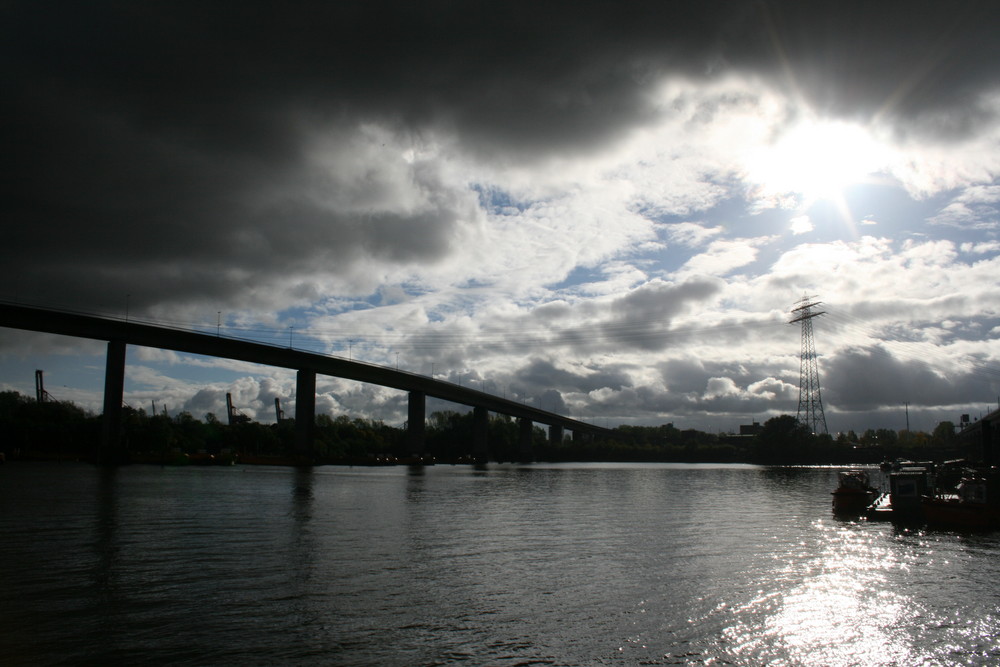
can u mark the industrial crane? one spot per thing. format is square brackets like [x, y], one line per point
[234, 414]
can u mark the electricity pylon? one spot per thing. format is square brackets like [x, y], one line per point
[810, 410]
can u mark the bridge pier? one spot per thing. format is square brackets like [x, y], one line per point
[525, 435]
[415, 424]
[305, 412]
[122, 333]
[114, 389]
[555, 435]
[480, 433]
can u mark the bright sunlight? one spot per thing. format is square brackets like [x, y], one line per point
[817, 160]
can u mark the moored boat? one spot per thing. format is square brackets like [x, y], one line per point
[854, 493]
[976, 505]
[902, 502]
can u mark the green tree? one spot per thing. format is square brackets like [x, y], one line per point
[783, 439]
[886, 437]
[944, 434]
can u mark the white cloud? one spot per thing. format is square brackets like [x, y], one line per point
[720, 387]
[691, 234]
[989, 247]
[721, 257]
[801, 224]
[973, 208]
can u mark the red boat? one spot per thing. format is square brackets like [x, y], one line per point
[974, 506]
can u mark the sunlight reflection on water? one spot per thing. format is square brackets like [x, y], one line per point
[843, 613]
[843, 600]
[562, 564]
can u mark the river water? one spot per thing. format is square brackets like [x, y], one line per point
[572, 564]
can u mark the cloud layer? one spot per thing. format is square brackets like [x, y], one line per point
[564, 200]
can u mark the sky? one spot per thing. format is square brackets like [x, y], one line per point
[607, 210]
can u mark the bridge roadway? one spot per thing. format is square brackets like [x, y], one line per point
[119, 333]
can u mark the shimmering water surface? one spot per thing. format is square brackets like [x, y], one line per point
[502, 565]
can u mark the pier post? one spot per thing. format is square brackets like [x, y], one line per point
[480, 432]
[555, 435]
[415, 425]
[305, 412]
[114, 389]
[525, 435]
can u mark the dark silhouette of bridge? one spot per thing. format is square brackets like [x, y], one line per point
[118, 333]
[981, 436]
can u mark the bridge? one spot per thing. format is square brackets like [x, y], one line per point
[118, 333]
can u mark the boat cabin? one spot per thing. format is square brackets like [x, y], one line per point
[906, 488]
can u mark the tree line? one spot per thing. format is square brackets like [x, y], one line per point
[62, 430]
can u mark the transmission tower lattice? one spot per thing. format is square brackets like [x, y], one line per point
[810, 410]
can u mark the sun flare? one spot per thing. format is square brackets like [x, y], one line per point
[816, 160]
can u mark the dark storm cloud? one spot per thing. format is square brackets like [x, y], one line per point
[538, 374]
[556, 73]
[870, 377]
[139, 137]
[641, 319]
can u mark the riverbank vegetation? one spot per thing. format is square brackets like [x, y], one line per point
[55, 430]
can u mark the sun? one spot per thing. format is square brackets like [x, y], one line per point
[816, 160]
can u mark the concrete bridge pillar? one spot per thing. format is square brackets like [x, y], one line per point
[555, 434]
[480, 432]
[525, 435]
[415, 424]
[305, 412]
[114, 390]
